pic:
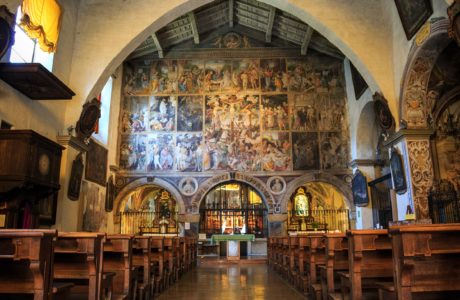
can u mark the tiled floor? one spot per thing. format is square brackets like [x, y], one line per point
[222, 282]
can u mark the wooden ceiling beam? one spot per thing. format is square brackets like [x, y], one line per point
[306, 41]
[271, 20]
[196, 34]
[231, 6]
[156, 41]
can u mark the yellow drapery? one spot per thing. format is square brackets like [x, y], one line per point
[41, 21]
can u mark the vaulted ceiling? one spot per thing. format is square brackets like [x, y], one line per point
[269, 26]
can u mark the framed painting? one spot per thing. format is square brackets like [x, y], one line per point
[47, 208]
[96, 163]
[76, 174]
[413, 14]
[397, 172]
[359, 189]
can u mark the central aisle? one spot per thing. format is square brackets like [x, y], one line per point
[226, 282]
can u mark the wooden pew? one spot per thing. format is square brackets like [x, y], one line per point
[370, 262]
[317, 258]
[308, 260]
[169, 260]
[293, 274]
[336, 260]
[26, 264]
[118, 260]
[157, 258]
[142, 260]
[426, 260]
[78, 258]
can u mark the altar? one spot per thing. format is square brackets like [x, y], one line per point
[233, 243]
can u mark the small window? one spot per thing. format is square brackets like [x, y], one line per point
[27, 50]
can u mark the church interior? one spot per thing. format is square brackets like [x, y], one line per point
[229, 149]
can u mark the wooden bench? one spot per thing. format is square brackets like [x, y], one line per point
[426, 261]
[336, 260]
[308, 260]
[293, 273]
[118, 260]
[317, 258]
[26, 264]
[370, 262]
[142, 260]
[169, 260]
[157, 259]
[78, 259]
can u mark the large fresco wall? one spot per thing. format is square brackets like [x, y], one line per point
[250, 115]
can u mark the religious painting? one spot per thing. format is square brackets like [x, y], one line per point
[189, 152]
[161, 152]
[305, 150]
[397, 172]
[276, 151]
[359, 189]
[137, 79]
[273, 75]
[232, 132]
[162, 113]
[382, 112]
[133, 152]
[163, 77]
[191, 75]
[94, 216]
[134, 114]
[96, 163]
[275, 112]
[76, 175]
[301, 75]
[413, 14]
[190, 113]
[331, 114]
[245, 76]
[304, 118]
[334, 150]
[217, 76]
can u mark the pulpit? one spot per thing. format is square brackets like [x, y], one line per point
[233, 243]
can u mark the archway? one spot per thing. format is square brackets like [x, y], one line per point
[148, 209]
[367, 136]
[233, 208]
[317, 206]
[335, 27]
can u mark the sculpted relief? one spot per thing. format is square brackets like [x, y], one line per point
[252, 115]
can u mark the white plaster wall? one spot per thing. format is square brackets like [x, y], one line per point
[45, 117]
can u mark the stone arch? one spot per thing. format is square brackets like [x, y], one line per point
[446, 100]
[93, 65]
[367, 135]
[341, 186]
[212, 182]
[144, 182]
[427, 46]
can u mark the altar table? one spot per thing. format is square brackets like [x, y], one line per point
[233, 243]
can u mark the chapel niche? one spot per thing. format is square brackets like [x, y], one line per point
[317, 206]
[149, 210]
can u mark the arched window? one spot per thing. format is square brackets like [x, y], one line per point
[233, 208]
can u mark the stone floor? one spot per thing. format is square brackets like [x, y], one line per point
[231, 281]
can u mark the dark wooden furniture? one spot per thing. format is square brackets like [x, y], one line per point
[336, 260]
[370, 262]
[29, 179]
[34, 81]
[78, 258]
[118, 260]
[26, 264]
[426, 261]
[157, 244]
[317, 258]
[142, 260]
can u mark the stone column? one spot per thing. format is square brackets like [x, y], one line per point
[415, 148]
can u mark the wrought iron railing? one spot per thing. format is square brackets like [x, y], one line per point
[444, 203]
[334, 219]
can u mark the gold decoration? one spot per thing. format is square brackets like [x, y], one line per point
[423, 34]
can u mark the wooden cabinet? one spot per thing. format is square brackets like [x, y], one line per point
[29, 178]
